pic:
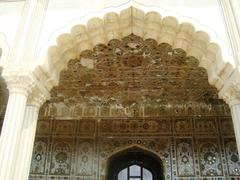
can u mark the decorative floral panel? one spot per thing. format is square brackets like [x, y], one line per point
[232, 156]
[85, 157]
[185, 159]
[209, 157]
[80, 148]
[39, 156]
[61, 156]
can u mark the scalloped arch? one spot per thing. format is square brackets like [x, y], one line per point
[146, 25]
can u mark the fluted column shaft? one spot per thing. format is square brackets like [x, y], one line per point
[11, 132]
[28, 130]
[18, 132]
[29, 29]
[231, 14]
[18, 128]
[235, 111]
[34, 30]
[24, 154]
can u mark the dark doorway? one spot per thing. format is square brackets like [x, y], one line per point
[135, 164]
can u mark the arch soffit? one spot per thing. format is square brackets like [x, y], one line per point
[146, 25]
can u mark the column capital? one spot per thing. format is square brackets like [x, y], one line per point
[28, 82]
[19, 80]
[230, 92]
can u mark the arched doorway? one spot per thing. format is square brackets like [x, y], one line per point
[135, 164]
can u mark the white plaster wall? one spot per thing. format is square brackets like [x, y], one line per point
[205, 15]
[10, 13]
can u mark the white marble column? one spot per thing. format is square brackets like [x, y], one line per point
[26, 143]
[28, 32]
[19, 87]
[231, 15]
[235, 111]
[17, 134]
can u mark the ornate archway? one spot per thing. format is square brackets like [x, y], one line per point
[184, 43]
[105, 58]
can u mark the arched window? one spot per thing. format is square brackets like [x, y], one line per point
[135, 164]
[135, 172]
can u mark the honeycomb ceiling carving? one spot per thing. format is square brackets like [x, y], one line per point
[134, 71]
